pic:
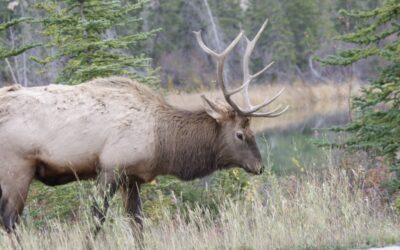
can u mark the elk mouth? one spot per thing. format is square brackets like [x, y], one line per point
[245, 167]
[252, 171]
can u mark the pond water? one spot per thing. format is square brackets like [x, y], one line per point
[292, 149]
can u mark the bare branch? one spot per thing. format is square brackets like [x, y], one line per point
[11, 71]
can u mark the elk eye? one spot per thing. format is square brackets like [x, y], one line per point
[240, 135]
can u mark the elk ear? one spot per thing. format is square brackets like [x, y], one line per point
[213, 109]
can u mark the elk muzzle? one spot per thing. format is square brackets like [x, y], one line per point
[256, 169]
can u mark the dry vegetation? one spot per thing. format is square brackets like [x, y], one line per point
[317, 211]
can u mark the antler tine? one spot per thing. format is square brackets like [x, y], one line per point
[203, 46]
[263, 70]
[246, 84]
[248, 77]
[209, 51]
[220, 67]
[265, 103]
[238, 89]
[271, 114]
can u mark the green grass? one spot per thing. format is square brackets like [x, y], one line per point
[292, 153]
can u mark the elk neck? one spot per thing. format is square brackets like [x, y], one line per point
[187, 143]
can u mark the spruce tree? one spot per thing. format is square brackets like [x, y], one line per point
[303, 18]
[15, 43]
[79, 31]
[228, 15]
[276, 43]
[169, 17]
[376, 126]
[5, 50]
[345, 23]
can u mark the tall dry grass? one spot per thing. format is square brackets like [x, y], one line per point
[298, 94]
[317, 211]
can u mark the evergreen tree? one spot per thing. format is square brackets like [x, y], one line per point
[376, 127]
[5, 50]
[345, 23]
[79, 32]
[297, 28]
[326, 20]
[276, 43]
[168, 16]
[303, 18]
[16, 42]
[228, 14]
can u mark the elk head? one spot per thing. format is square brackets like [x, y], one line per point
[238, 145]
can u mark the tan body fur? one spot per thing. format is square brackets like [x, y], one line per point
[71, 129]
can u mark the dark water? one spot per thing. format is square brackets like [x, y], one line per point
[292, 149]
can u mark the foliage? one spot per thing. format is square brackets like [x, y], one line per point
[303, 21]
[165, 15]
[81, 33]
[277, 40]
[397, 204]
[345, 23]
[6, 52]
[47, 203]
[375, 127]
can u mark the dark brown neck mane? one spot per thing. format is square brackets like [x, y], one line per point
[187, 143]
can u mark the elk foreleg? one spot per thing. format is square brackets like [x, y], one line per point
[106, 186]
[132, 201]
[14, 190]
[133, 206]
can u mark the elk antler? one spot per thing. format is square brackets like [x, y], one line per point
[249, 110]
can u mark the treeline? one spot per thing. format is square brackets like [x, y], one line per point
[299, 31]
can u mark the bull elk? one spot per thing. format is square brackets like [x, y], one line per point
[112, 127]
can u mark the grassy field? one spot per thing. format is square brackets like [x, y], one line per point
[323, 210]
